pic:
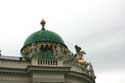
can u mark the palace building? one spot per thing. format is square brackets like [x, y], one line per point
[46, 59]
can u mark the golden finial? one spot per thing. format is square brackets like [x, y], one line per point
[43, 24]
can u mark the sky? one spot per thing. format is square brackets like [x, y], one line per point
[98, 26]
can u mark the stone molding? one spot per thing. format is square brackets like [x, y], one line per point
[48, 68]
[34, 70]
[81, 75]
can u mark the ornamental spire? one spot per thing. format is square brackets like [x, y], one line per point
[43, 24]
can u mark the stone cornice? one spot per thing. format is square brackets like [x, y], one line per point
[34, 68]
[13, 70]
[81, 75]
[18, 61]
[48, 68]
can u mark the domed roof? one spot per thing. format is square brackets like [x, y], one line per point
[44, 36]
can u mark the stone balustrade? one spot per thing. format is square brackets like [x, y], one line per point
[47, 62]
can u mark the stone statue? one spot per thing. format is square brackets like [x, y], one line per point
[34, 50]
[59, 52]
[68, 57]
[54, 51]
[79, 55]
[91, 71]
[77, 49]
[0, 53]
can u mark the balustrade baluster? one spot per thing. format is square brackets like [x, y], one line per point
[48, 62]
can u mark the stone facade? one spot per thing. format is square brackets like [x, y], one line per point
[19, 71]
[46, 59]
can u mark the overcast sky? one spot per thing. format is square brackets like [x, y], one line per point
[98, 26]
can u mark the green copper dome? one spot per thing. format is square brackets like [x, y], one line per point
[43, 36]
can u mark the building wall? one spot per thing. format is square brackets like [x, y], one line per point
[12, 71]
[13, 64]
[14, 78]
[51, 77]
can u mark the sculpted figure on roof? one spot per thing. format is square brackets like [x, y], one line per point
[79, 55]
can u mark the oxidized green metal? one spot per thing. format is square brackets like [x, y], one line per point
[46, 53]
[43, 36]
